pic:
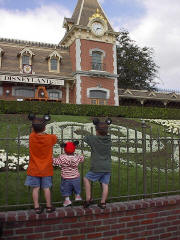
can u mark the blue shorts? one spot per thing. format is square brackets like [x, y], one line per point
[102, 177]
[43, 182]
[68, 186]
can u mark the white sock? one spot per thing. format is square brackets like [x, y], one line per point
[67, 198]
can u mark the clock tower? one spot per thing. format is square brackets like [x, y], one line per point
[92, 44]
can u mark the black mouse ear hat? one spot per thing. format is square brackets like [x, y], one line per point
[45, 118]
[96, 121]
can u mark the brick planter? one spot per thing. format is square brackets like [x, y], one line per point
[149, 219]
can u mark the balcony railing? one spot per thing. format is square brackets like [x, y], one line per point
[98, 66]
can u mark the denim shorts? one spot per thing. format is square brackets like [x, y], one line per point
[68, 186]
[102, 177]
[43, 182]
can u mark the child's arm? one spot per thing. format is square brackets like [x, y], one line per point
[57, 161]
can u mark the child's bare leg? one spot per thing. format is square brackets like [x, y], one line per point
[35, 196]
[47, 195]
[87, 185]
[104, 192]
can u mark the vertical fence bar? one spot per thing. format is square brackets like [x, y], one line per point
[119, 162]
[143, 158]
[159, 168]
[166, 161]
[7, 168]
[136, 147]
[82, 165]
[110, 183]
[179, 154]
[172, 157]
[151, 164]
[17, 169]
[127, 141]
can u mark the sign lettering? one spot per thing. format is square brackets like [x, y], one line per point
[44, 81]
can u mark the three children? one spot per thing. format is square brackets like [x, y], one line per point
[40, 169]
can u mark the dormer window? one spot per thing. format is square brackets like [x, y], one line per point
[54, 62]
[25, 58]
[1, 54]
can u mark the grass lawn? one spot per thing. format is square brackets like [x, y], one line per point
[127, 179]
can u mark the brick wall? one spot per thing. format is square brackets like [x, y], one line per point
[150, 219]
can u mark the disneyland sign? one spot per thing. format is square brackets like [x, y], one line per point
[31, 80]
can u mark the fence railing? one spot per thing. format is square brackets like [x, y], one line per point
[144, 164]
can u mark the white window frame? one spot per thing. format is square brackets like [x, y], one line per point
[55, 91]
[98, 89]
[56, 55]
[27, 52]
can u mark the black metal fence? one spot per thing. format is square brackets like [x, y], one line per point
[145, 163]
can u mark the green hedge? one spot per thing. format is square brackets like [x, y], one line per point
[55, 108]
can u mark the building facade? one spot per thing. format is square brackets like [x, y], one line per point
[81, 69]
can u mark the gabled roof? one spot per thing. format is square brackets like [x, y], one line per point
[84, 10]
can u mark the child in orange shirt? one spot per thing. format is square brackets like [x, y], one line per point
[40, 169]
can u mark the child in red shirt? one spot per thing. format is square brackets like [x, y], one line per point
[70, 177]
[40, 169]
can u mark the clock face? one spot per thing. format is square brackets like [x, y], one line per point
[27, 69]
[98, 28]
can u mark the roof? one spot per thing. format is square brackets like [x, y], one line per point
[148, 95]
[84, 10]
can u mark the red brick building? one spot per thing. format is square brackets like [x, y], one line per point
[81, 69]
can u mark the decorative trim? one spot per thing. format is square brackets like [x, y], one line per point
[80, 12]
[100, 89]
[26, 50]
[78, 89]
[97, 15]
[97, 50]
[115, 59]
[67, 92]
[78, 54]
[116, 96]
[31, 43]
[94, 73]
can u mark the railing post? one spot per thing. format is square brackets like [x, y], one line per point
[144, 157]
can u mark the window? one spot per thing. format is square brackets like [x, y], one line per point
[97, 61]
[54, 64]
[98, 101]
[23, 92]
[98, 97]
[1, 54]
[25, 59]
[54, 61]
[1, 91]
[54, 94]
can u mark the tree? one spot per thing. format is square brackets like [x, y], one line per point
[136, 67]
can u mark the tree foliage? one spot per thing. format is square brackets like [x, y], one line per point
[136, 67]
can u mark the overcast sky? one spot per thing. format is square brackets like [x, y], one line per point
[151, 23]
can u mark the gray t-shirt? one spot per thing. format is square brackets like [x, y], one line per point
[100, 153]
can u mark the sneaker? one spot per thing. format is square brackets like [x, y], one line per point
[78, 198]
[67, 203]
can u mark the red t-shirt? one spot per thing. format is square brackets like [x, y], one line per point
[41, 151]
